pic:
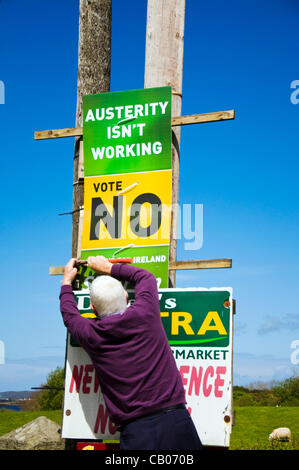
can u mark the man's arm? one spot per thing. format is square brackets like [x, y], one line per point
[70, 272]
[79, 327]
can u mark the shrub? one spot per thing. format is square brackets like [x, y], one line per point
[52, 398]
[284, 393]
[288, 392]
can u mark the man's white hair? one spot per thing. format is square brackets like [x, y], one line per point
[107, 296]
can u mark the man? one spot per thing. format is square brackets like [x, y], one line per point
[139, 379]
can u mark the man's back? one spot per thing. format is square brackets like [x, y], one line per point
[129, 350]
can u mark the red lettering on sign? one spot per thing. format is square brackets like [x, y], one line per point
[184, 370]
[207, 390]
[195, 380]
[102, 420]
[87, 378]
[219, 382]
[76, 378]
[82, 377]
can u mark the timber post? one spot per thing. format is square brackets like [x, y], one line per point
[164, 67]
[94, 67]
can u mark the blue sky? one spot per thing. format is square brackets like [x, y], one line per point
[237, 55]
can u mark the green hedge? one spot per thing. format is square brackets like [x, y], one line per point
[284, 393]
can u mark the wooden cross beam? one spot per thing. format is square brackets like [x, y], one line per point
[177, 265]
[175, 121]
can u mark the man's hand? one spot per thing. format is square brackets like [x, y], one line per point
[70, 272]
[99, 264]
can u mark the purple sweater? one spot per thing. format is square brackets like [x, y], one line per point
[130, 351]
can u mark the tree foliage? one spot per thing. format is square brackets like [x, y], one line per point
[52, 398]
[284, 393]
[288, 392]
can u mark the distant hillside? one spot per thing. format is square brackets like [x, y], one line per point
[14, 395]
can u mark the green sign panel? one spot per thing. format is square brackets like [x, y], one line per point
[128, 177]
[152, 258]
[190, 317]
[127, 132]
[194, 317]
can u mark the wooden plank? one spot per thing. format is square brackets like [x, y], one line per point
[175, 121]
[56, 270]
[201, 118]
[201, 264]
[177, 265]
[56, 133]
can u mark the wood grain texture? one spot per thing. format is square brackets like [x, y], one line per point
[201, 118]
[164, 67]
[175, 265]
[56, 133]
[201, 264]
[175, 121]
[94, 67]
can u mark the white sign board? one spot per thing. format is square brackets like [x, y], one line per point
[198, 324]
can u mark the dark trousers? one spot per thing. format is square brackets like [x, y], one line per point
[166, 430]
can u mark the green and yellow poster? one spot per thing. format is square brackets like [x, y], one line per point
[128, 177]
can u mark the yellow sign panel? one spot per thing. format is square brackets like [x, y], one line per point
[127, 208]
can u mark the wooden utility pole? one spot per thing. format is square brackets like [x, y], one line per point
[164, 67]
[94, 53]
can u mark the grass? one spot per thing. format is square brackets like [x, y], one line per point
[251, 431]
[253, 424]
